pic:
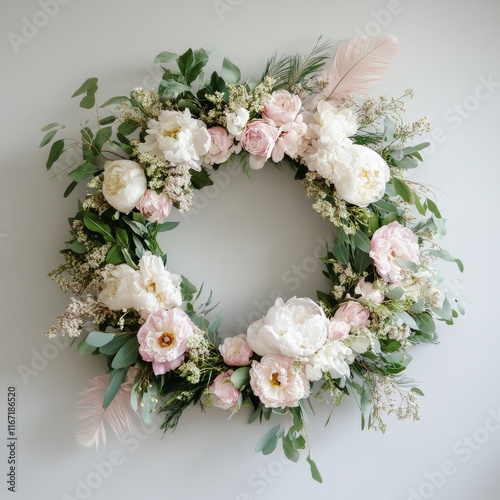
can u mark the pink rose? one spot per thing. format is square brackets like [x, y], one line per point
[282, 108]
[390, 243]
[163, 339]
[236, 351]
[338, 330]
[369, 292]
[259, 139]
[155, 207]
[278, 382]
[221, 146]
[291, 140]
[223, 393]
[354, 313]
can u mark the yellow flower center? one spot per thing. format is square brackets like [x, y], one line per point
[166, 339]
[274, 379]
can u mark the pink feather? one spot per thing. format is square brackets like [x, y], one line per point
[358, 64]
[91, 418]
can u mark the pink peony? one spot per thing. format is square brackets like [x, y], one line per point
[283, 108]
[278, 381]
[390, 243]
[155, 207]
[221, 146]
[352, 313]
[163, 339]
[338, 330]
[236, 351]
[223, 393]
[291, 140]
[259, 139]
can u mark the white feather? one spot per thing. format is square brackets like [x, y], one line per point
[91, 417]
[358, 64]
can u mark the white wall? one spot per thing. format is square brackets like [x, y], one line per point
[447, 49]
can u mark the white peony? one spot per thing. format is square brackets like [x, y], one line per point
[236, 122]
[118, 290]
[124, 184]
[360, 341]
[155, 288]
[360, 175]
[333, 358]
[177, 137]
[298, 327]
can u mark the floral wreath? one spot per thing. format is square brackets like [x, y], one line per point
[155, 149]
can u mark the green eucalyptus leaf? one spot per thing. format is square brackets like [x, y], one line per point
[88, 86]
[289, 448]
[78, 247]
[48, 137]
[230, 72]
[55, 152]
[167, 226]
[165, 57]
[267, 443]
[85, 348]
[83, 171]
[127, 355]
[99, 339]
[214, 325]
[314, 470]
[403, 190]
[116, 379]
[115, 100]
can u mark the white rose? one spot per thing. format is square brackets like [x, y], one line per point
[124, 184]
[177, 137]
[118, 289]
[360, 341]
[298, 327]
[237, 121]
[360, 175]
[156, 287]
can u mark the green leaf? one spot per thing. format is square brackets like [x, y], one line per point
[340, 252]
[88, 86]
[408, 162]
[395, 293]
[115, 345]
[107, 120]
[55, 152]
[171, 88]
[389, 129]
[391, 346]
[241, 377]
[403, 190]
[267, 443]
[445, 255]
[433, 208]
[88, 102]
[314, 470]
[230, 72]
[127, 128]
[214, 325]
[96, 225]
[70, 188]
[117, 377]
[115, 256]
[50, 126]
[421, 207]
[122, 236]
[165, 57]
[167, 226]
[416, 390]
[407, 264]
[127, 355]
[407, 319]
[361, 241]
[187, 289]
[99, 339]
[148, 403]
[83, 171]
[425, 323]
[128, 258]
[102, 137]
[85, 348]
[289, 448]
[413, 149]
[48, 137]
[200, 179]
[137, 227]
[115, 100]
[78, 247]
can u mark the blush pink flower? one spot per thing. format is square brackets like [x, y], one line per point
[338, 330]
[369, 292]
[223, 393]
[163, 339]
[353, 313]
[279, 381]
[221, 146]
[282, 108]
[390, 243]
[259, 139]
[155, 207]
[236, 351]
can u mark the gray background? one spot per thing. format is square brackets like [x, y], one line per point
[243, 242]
